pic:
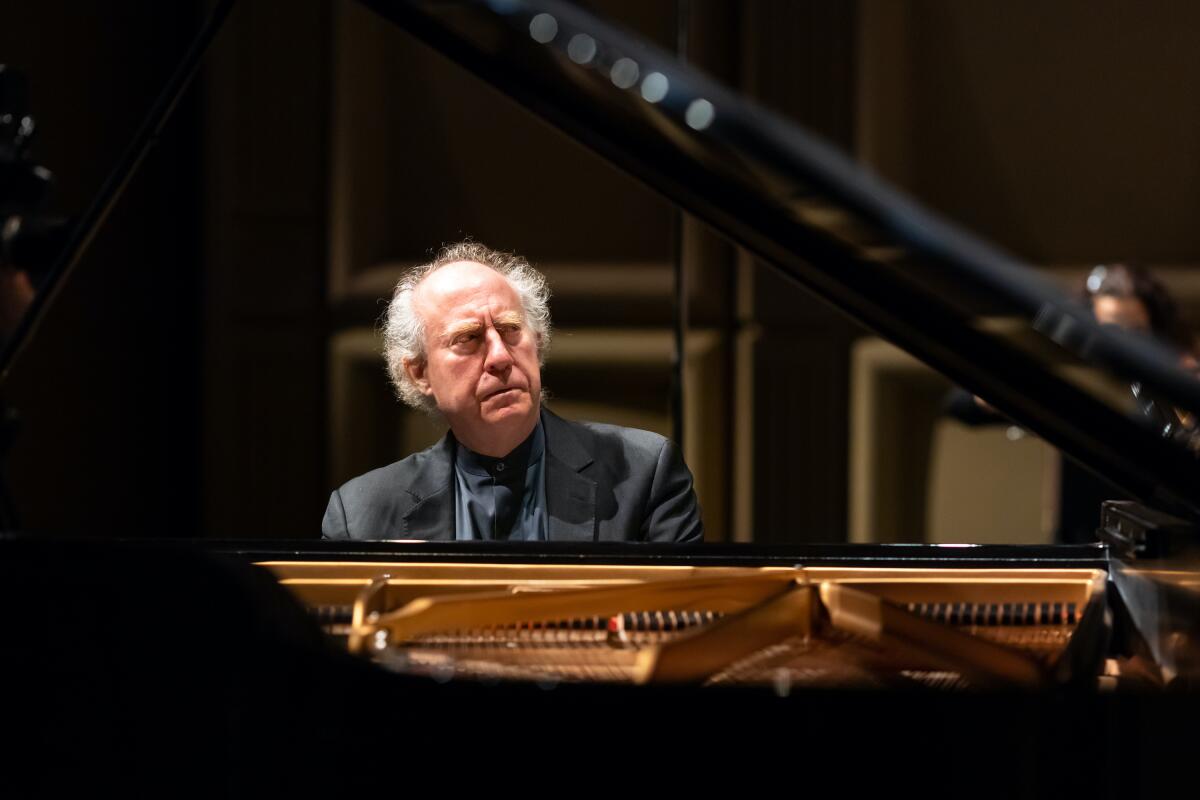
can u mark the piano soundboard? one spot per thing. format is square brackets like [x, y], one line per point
[782, 627]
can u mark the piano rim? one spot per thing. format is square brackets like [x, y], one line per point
[920, 555]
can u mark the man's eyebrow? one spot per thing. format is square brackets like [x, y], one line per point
[510, 318]
[459, 328]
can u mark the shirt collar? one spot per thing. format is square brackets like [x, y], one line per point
[507, 467]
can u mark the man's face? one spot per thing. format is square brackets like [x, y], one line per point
[481, 364]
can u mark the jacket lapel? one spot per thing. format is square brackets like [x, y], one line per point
[432, 514]
[570, 496]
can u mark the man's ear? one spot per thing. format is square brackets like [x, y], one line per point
[416, 370]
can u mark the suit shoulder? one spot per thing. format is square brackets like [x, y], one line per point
[630, 438]
[397, 475]
[377, 477]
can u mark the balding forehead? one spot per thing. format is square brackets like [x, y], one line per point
[457, 276]
[465, 271]
[450, 298]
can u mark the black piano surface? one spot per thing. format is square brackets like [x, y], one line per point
[179, 668]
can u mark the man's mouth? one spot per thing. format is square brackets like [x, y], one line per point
[499, 392]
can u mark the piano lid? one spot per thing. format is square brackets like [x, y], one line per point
[970, 310]
[38, 252]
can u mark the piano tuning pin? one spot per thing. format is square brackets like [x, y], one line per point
[617, 635]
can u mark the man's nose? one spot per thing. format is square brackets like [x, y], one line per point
[498, 359]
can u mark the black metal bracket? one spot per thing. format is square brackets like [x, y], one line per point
[1133, 530]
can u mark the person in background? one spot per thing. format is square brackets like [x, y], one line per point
[1127, 296]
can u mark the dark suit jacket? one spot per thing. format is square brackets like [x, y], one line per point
[603, 483]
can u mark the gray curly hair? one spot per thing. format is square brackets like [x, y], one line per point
[404, 330]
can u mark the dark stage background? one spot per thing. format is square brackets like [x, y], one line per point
[212, 370]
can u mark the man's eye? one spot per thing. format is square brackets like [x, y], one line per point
[466, 338]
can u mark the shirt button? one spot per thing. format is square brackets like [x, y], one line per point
[499, 466]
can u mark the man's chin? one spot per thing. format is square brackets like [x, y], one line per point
[507, 406]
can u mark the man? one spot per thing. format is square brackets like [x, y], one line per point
[464, 338]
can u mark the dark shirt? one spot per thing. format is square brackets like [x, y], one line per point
[501, 498]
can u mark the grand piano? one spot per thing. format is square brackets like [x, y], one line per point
[232, 666]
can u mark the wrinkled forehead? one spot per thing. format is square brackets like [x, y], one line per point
[464, 290]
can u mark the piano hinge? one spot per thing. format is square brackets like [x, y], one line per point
[1137, 531]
